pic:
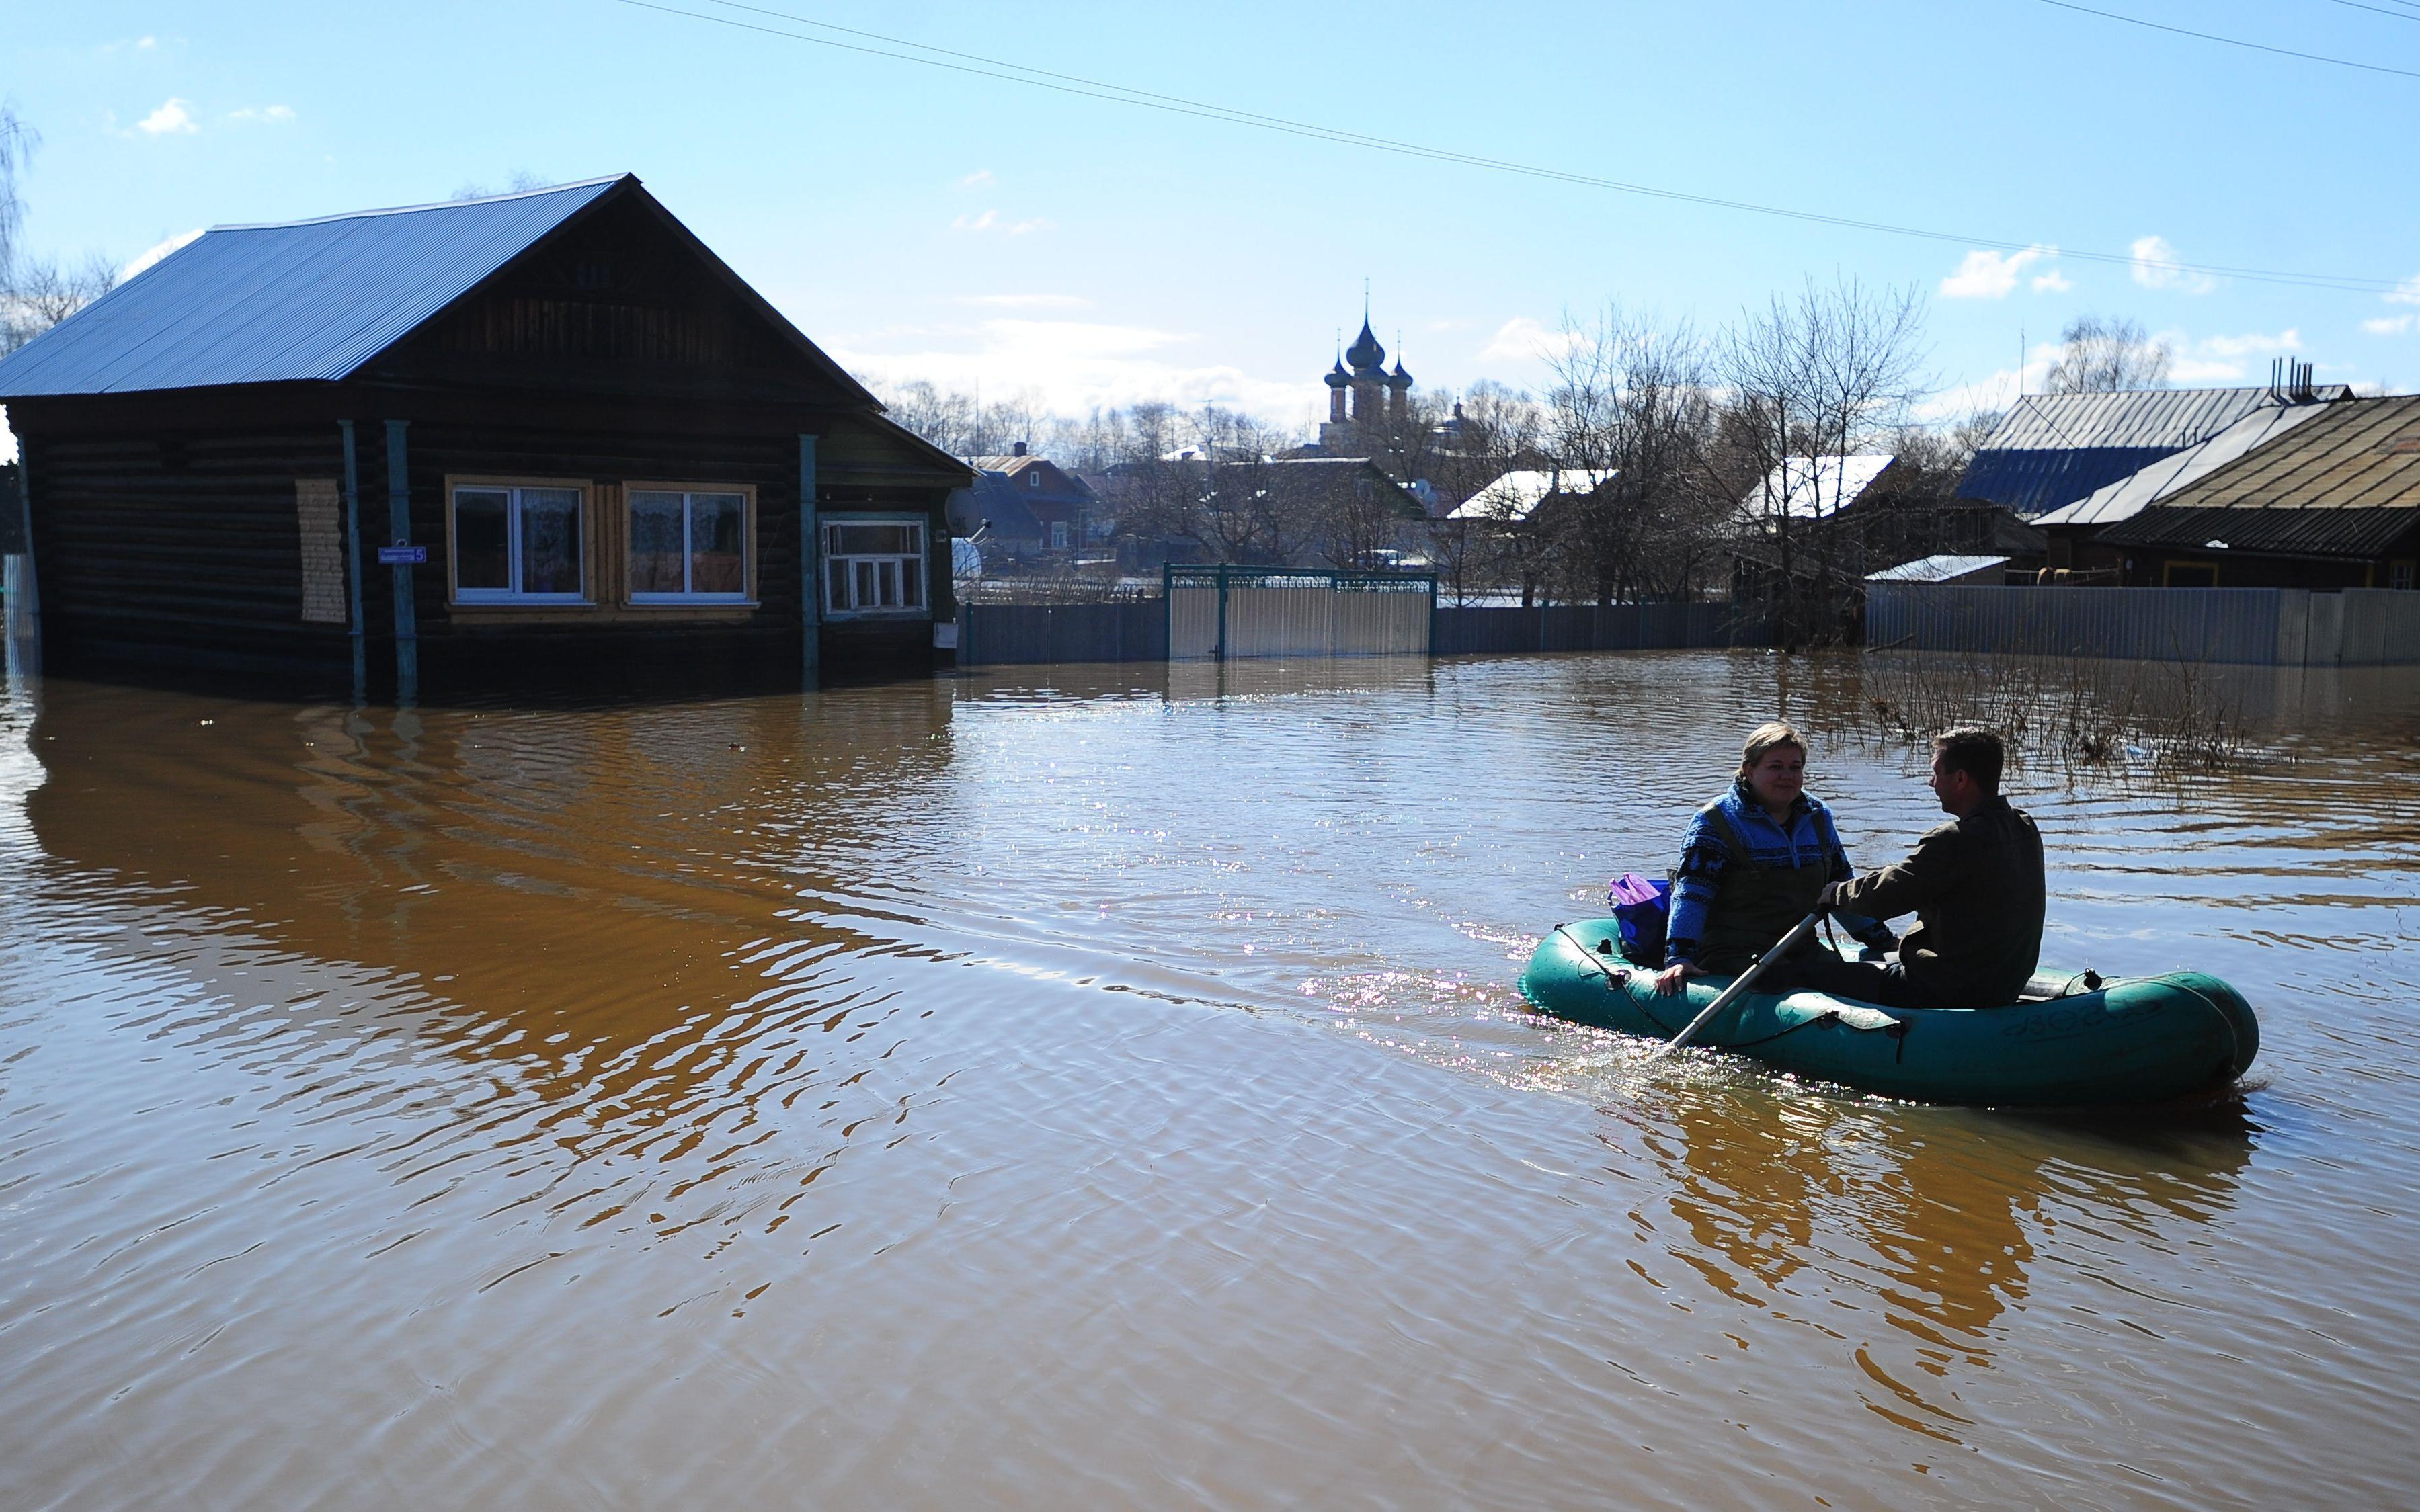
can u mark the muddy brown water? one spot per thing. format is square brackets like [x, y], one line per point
[1105, 1087]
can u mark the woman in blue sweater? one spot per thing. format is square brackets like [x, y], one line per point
[1753, 864]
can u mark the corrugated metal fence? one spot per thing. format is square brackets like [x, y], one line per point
[999, 634]
[1228, 613]
[2264, 627]
[1596, 628]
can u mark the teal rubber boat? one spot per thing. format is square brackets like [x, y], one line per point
[2130, 1040]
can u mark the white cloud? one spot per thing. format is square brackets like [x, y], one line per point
[2053, 281]
[2406, 292]
[2388, 325]
[140, 44]
[979, 178]
[2253, 344]
[152, 254]
[1523, 340]
[990, 221]
[1026, 301]
[175, 118]
[262, 113]
[1070, 365]
[1994, 275]
[2220, 360]
[2155, 266]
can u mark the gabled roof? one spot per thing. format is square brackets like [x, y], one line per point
[2138, 490]
[1813, 490]
[2167, 418]
[2345, 483]
[2053, 449]
[319, 300]
[1514, 496]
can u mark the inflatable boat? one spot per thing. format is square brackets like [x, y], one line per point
[2068, 1041]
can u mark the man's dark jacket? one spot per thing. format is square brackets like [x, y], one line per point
[1975, 885]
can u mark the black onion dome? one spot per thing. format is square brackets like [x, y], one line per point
[1398, 378]
[1337, 378]
[1367, 358]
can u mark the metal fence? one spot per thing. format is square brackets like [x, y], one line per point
[1002, 634]
[2264, 627]
[1225, 613]
[1596, 628]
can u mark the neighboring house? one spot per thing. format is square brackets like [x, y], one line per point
[2053, 449]
[2333, 502]
[1811, 488]
[1853, 514]
[1060, 504]
[533, 442]
[1367, 518]
[2073, 529]
[1513, 496]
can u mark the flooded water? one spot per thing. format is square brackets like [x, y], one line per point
[1105, 1087]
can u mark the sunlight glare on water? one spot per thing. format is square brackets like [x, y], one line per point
[1105, 1086]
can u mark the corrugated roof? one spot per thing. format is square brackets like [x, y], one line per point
[1814, 492]
[2053, 449]
[2293, 532]
[1940, 569]
[2362, 454]
[2345, 483]
[2170, 418]
[2138, 490]
[1513, 495]
[299, 301]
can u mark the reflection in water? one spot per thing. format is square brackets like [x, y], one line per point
[1096, 1085]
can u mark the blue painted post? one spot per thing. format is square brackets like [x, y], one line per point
[353, 564]
[407, 625]
[811, 599]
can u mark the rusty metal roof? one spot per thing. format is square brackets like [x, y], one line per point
[299, 301]
[2344, 484]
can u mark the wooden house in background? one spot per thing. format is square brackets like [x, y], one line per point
[2333, 503]
[538, 442]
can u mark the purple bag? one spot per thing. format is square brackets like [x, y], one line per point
[1640, 906]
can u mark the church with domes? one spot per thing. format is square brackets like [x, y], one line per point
[1363, 397]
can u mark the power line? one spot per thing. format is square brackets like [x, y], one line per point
[2381, 10]
[2238, 41]
[1067, 83]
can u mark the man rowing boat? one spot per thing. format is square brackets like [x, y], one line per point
[1974, 884]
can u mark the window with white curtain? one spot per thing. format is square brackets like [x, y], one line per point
[519, 545]
[689, 546]
[874, 564]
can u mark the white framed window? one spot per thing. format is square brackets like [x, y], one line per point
[519, 544]
[874, 564]
[688, 545]
[1059, 535]
[1033, 477]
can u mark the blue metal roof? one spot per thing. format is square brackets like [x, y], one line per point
[301, 300]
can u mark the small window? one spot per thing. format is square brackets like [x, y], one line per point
[874, 566]
[1059, 535]
[688, 548]
[519, 546]
[1033, 477]
[2399, 574]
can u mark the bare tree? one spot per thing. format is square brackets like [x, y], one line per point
[1631, 419]
[2103, 356]
[36, 293]
[1814, 379]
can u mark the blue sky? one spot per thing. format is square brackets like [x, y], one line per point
[921, 222]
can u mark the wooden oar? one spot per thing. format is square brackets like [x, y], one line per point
[1781, 947]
